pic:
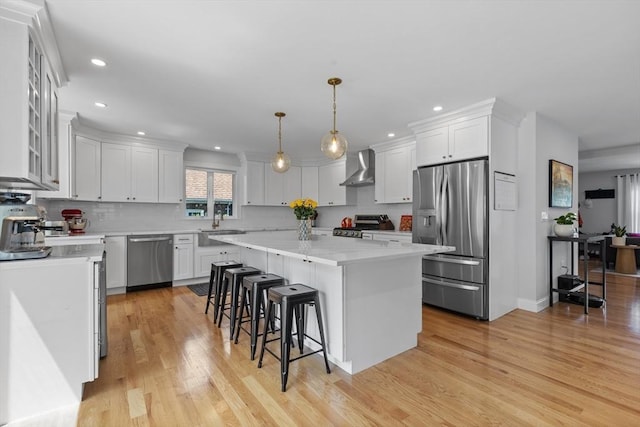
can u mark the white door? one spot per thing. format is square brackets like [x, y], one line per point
[432, 147]
[170, 176]
[116, 173]
[144, 174]
[469, 139]
[86, 169]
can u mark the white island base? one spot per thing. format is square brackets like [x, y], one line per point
[370, 291]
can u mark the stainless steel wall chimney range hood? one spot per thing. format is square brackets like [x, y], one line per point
[365, 175]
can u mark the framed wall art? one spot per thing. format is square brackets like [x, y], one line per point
[560, 184]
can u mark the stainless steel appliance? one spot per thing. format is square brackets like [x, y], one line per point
[149, 261]
[364, 222]
[450, 208]
[21, 236]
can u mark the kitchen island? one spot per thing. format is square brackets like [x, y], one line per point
[48, 330]
[370, 291]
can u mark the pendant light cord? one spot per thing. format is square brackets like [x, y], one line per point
[334, 108]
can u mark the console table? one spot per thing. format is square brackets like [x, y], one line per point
[584, 239]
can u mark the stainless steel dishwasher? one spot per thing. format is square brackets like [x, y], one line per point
[149, 261]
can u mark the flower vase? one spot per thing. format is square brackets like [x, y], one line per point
[304, 229]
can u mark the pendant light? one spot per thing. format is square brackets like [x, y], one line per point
[280, 162]
[333, 144]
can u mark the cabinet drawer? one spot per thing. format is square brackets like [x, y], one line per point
[182, 238]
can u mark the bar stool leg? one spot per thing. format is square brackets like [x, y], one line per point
[243, 305]
[235, 294]
[224, 285]
[286, 317]
[256, 304]
[321, 330]
[212, 278]
[264, 334]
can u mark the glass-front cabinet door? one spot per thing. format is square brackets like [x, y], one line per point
[35, 109]
[50, 173]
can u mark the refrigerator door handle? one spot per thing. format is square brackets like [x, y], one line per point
[451, 285]
[451, 260]
[444, 209]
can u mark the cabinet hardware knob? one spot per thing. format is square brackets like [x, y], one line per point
[99, 197]
[56, 181]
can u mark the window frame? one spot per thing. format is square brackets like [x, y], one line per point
[211, 169]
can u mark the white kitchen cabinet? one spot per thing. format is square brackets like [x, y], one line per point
[129, 173]
[21, 106]
[86, 169]
[170, 176]
[459, 140]
[309, 182]
[116, 248]
[330, 192]
[281, 188]
[394, 174]
[50, 132]
[254, 183]
[204, 256]
[183, 256]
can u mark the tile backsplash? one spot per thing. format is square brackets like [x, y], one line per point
[115, 217]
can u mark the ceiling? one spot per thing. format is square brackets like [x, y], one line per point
[213, 73]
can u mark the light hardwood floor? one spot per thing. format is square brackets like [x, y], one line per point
[168, 365]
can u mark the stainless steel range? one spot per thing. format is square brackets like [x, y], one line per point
[363, 223]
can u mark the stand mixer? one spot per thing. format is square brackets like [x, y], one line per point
[75, 219]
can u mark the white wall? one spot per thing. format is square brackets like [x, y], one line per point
[598, 218]
[541, 139]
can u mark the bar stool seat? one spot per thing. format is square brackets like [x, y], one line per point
[233, 277]
[254, 293]
[215, 281]
[292, 297]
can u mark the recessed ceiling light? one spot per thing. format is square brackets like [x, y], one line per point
[98, 62]
[100, 104]
[437, 108]
[391, 134]
[141, 133]
[217, 147]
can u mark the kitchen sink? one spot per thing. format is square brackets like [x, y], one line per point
[204, 240]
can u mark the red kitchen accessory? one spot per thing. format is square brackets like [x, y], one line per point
[71, 213]
[346, 222]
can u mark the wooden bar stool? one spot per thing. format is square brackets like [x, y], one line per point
[215, 281]
[233, 277]
[292, 298]
[254, 293]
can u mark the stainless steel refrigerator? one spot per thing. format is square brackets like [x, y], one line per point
[450, 207]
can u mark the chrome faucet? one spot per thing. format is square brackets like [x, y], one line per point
[216, 223]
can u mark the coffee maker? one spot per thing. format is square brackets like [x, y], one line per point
[21, 236]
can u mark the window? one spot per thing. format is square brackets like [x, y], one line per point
[208, 192]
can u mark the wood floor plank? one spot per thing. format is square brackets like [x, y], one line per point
[170, 365]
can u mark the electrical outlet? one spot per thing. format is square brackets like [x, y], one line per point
[544, 216]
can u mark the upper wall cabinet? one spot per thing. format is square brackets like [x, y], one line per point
[171, 176]
[120, 172]
[309, 182]
[395, 162]
[282, 188]
[254, 183]
[86, 161]
[129, 173]
[330, 192]
[479, 130]
[458, 141]
[29, 109]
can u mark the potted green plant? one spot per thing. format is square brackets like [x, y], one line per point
[619, 233]
[564, 224]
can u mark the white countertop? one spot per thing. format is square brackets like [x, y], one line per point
[329, 250]
[59, 255]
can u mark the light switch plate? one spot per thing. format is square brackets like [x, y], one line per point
[544, 216]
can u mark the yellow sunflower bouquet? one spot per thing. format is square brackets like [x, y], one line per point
[304, 208]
